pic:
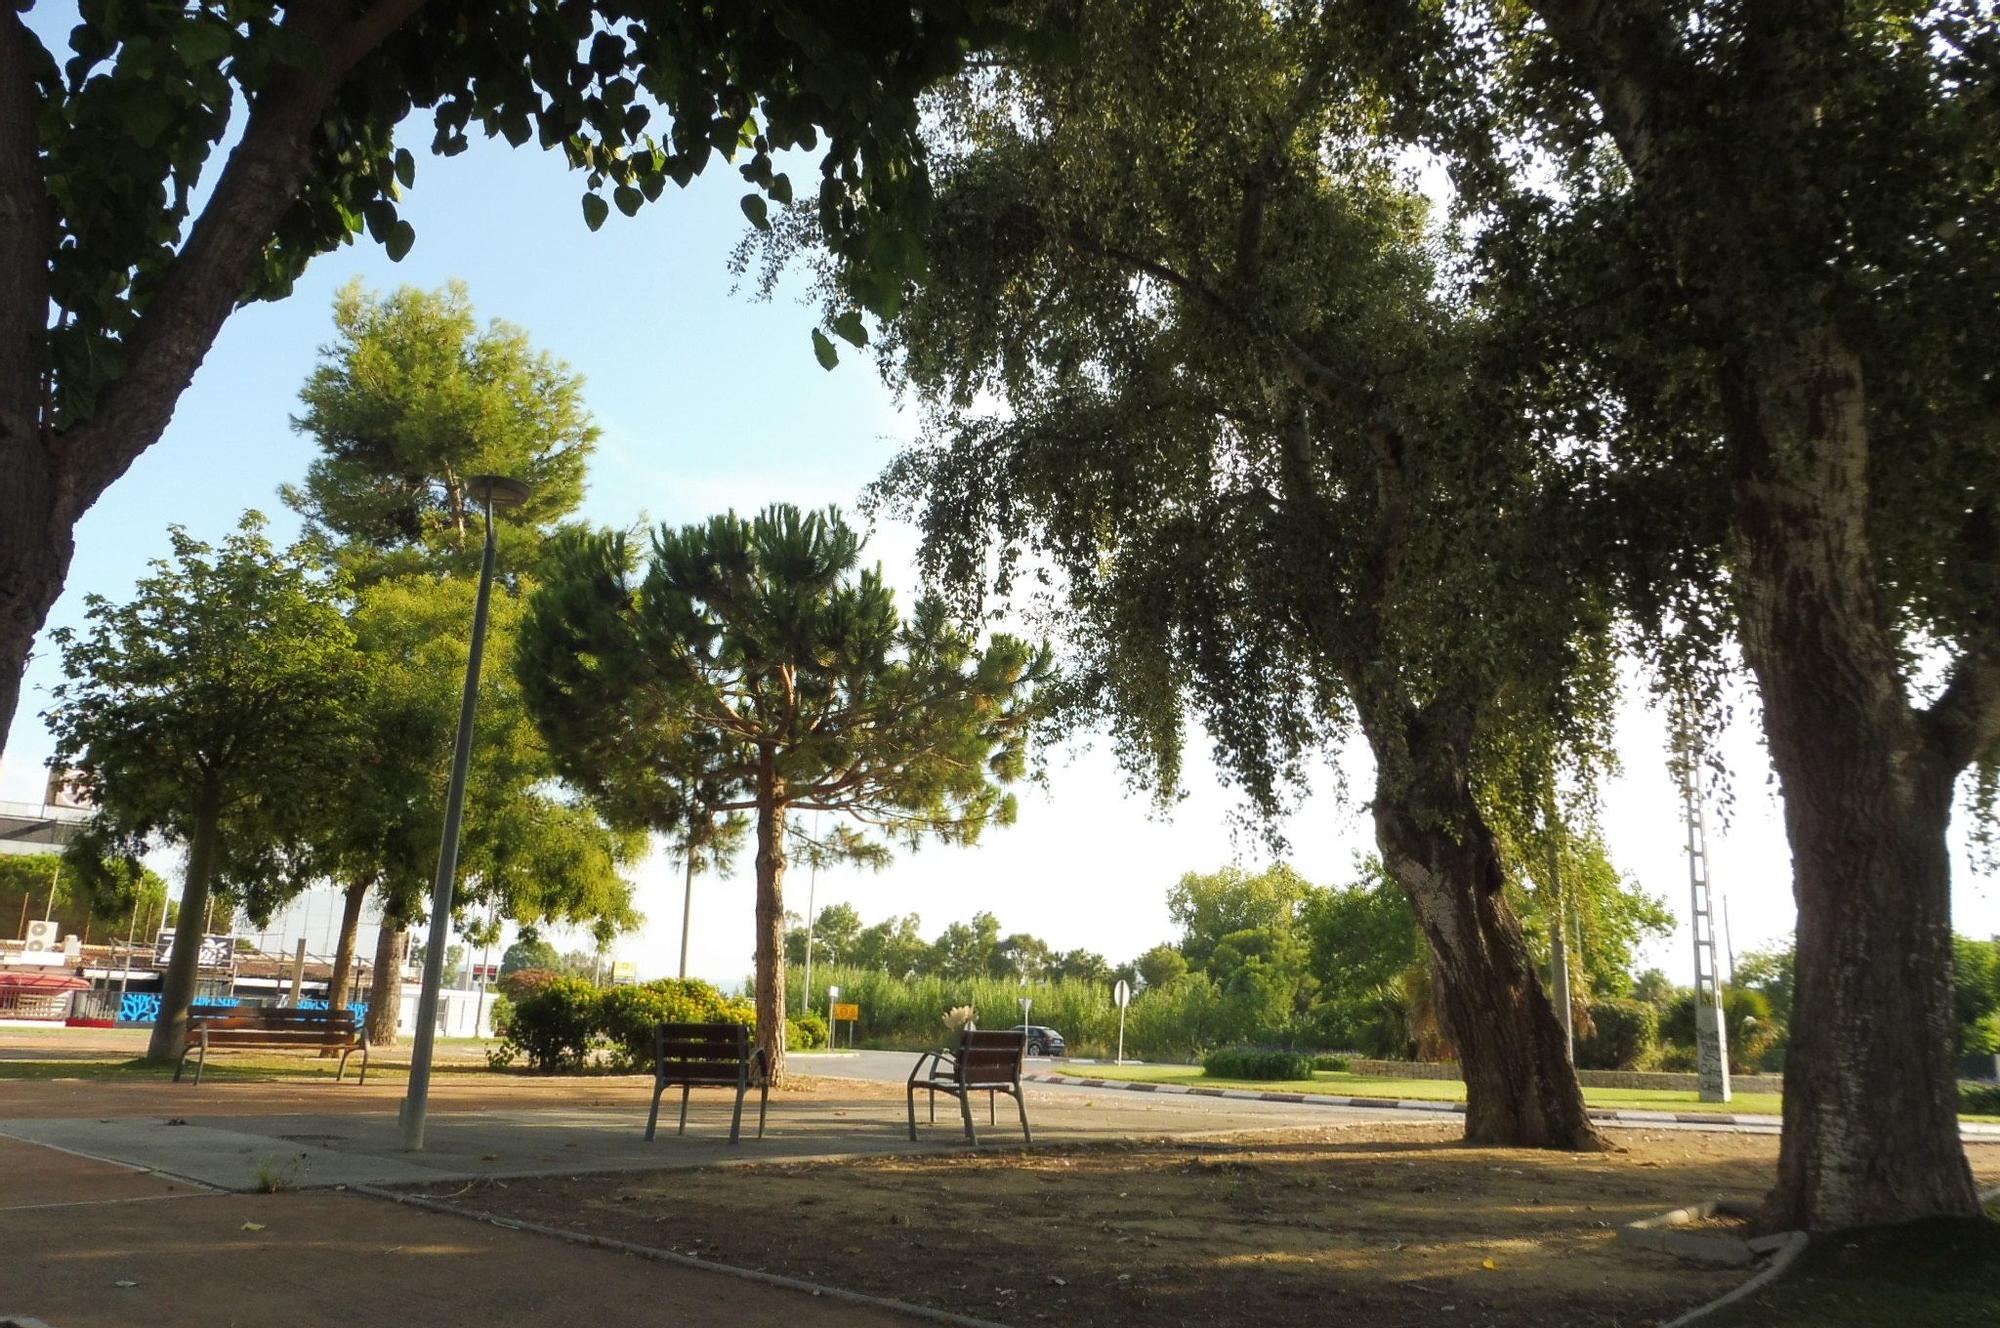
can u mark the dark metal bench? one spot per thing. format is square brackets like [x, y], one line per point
[279, 1027]
[988, 1063]
[709, 1055]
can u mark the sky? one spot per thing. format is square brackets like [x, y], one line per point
[709, 399]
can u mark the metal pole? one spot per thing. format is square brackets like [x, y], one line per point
[687, 910]
[1559, 932]
[55, 879]
[125, 970]
[299, 972]
[416, 1102]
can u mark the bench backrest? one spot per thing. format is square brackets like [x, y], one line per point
[273, 1025]
[990, 1058]
[702, 1053]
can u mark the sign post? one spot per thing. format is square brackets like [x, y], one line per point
[1122, 994]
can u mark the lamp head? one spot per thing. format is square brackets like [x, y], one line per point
[498, 490]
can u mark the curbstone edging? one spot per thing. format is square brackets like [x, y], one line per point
[1972, 1130]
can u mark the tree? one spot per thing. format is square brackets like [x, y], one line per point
[1019, 955]
[833, 935]
[756, 656]
[113, 288]
[967, 949]
[82, 889]
[1360, 937]
[212, 710]
[1082, 966]
[529, 952]
[1161, 965]
[894, 945]
[1193, 352]
[1787, 221]
[1212, 906]
[410, 400]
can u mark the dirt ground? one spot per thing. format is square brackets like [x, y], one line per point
[1382, 1225]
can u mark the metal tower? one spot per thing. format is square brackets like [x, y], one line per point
[1711, 1045]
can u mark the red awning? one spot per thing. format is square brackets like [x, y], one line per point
[41, 982]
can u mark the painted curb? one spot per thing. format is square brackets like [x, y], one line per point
[658, 1255]
[1972, 1131]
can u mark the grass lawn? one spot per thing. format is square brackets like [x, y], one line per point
[1939, 1273]
[1424, 1090]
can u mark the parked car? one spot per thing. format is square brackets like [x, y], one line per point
[1042, 1040]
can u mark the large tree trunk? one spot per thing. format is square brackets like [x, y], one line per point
[343, 954]
[1521, 1089]
[1871, 1104]
[35, 551]
[169, 1038]
[385, 987]
[771, 933]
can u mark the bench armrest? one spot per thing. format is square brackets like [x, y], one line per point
[929, 1063]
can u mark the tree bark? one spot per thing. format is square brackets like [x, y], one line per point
[343, 954]
[1871, 1102]
[1521, 1089]
[385, 986]
[771, 922]
[183, 963]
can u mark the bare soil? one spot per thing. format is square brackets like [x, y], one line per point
[1381, 1225]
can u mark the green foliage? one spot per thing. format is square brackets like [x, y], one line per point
[893, 945]
[1621, 1037]
[216, 709]
[758, 668]
[1359, 937]
[1978, 1099]
[410, 401]
[556, 1027]
[908, 1013]
[529, 955]
[1209, 907]
[1976, 994]
[1161, 965]
[627, 1016]
[805, 1032]
[1752, 1031]
[1256, 1063]
[1331, 1064]
[93, 893]
[634, 95]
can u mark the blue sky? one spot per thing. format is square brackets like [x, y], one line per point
[710, 399]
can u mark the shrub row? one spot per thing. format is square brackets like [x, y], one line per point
[1256, 1063]
[560, 1023]
[1978, 1099]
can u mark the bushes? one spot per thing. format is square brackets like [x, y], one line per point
[554, 1027]
[1330, 1064]
[627, 1016]
[557, 1025]
[1622, 1036]
[1977, 1099]
[805, 1033]
[1255, 1063]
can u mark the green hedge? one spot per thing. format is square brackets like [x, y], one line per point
[558, 1025]
[1331, 1064]
[1256, 1063]
[1622, 1036]
[1977, 1099]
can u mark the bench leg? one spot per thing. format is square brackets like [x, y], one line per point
[364, 1066]
[965, 1110]
[913, 1112]
[653, 1116]
[201, 1061]
[934, 1106]
[992, 1117]
[763, 1105]
[736, 1121]
[685, 1090]
[1021, 1101]
[181, 1064]
[341, 1071]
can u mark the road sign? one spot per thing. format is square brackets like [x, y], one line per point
[848, 1012]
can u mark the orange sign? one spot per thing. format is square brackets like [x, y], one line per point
[848, 1012]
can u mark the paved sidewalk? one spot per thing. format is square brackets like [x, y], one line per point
[143, 1249]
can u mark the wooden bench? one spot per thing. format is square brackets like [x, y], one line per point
[283, 1027]
[709, 1055]
[988, 1063]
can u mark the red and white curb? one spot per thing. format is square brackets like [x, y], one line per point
[1968, 1129]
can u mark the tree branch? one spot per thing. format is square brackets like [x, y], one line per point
[207, 278]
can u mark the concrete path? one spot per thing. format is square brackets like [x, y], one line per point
[131, 1247]
[227, 1137]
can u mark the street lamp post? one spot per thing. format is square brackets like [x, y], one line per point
[492, 491]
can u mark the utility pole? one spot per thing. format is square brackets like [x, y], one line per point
[1711, 1043]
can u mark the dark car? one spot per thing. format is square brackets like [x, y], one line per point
[1042, 1040]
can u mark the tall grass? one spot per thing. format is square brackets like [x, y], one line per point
[1175, 1022]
